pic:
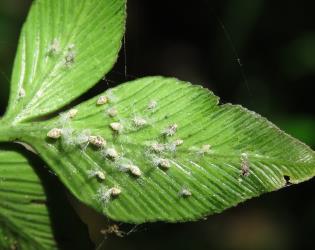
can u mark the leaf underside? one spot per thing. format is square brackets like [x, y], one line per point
[24, 216]
[65, 47]
[228, 154]
[217, 155]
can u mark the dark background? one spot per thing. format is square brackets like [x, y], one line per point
[260, 54]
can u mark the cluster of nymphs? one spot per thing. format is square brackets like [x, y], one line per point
[157, 152]
[85, 138]
[69, 56]
[55, 49]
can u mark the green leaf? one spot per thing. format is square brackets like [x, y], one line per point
[65, 47]
[24, 217]
[35, 212]
[172, 152]
[227, 154]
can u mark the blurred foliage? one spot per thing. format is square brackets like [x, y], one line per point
[258, 53]
[301, 127]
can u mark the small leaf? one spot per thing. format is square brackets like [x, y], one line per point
[65, 47]
[190, 156]
[24, 217]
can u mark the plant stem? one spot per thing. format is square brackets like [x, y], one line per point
[8, 132]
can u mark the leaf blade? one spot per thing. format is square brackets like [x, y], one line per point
[64, 49]
[247, 155]
[24, 216]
